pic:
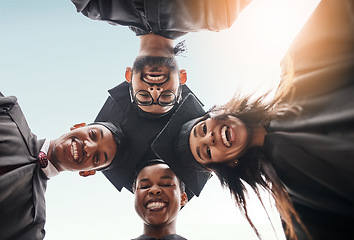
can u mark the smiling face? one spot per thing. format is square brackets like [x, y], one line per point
[213, 141]
[158, 197]
[85, 148]
[155, 75]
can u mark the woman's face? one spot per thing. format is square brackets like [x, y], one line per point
[213, 141]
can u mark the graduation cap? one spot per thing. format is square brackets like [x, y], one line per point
[172, 145]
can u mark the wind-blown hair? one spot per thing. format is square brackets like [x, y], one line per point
[254, 168]
[180, 48]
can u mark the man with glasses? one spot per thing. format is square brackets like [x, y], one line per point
[144, 103]
[155, 82]
[158, 23]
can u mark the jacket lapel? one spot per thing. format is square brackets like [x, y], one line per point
[29, 138]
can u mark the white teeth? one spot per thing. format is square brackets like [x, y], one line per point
[155, 205]
[224, 136]
[74, 151]
[154, 78]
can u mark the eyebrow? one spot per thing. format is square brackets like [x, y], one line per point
[105, 157]
[105, 154]
[165, 177]
[144, 180]
[198, 153]
[198, 149]
[162, 177]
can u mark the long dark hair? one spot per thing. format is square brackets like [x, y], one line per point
[254, 167]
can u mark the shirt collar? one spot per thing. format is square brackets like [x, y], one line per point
[50, 170]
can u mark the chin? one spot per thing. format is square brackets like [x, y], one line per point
[156, 223]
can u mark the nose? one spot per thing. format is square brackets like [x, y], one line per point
[210, 139]
[90, 148]
[155, 190]
[155, 91]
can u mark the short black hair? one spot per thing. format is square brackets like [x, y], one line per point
[182, 186]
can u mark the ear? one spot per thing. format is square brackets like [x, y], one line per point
[182, 76]
[87, 173]
[79, 125]
[128, 74]
[184, 199]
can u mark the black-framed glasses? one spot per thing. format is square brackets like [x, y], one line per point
[144, 98]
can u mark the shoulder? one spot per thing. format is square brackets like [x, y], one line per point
[7, 102]
[120, 92]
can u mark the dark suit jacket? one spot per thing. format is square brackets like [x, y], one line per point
[22, 203]
[313, 153]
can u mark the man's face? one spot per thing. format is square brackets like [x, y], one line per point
[158, 197]
[86, 148]
[155, 75]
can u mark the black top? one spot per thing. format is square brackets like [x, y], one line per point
[139, 128]
[313, 153]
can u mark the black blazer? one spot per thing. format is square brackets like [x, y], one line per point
[22, 203]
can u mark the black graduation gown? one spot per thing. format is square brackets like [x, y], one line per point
[313, 153]
[140, 130]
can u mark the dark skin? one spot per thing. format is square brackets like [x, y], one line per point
[84, 149]
[158, 199]
[155, 45]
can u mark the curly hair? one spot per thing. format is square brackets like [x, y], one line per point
[254, 167]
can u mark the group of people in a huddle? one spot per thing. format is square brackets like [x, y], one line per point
[154, 138]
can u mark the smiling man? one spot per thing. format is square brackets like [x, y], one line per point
[158, 23]
[26, 164]
[84, 149]
[159, 195]
[155, 83]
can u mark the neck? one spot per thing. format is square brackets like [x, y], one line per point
[159, 232]
[50, 156]
[258, 134]
[155, 45]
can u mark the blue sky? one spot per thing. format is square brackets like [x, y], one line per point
[60, 65]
